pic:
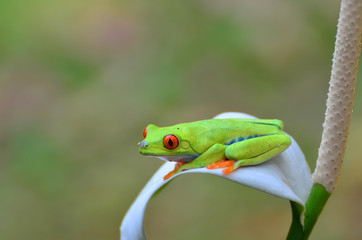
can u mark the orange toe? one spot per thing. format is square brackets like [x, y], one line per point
[177, 165]
[168, 175]
[228, 170]
[221, 164]
[215, 164]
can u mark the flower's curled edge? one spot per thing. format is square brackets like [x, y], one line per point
[286, 176]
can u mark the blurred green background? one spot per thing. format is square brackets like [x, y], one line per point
[79, 80]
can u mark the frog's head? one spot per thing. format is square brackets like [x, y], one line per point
[167, 143]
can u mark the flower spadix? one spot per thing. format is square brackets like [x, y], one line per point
[286, 176]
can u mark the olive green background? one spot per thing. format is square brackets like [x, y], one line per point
[79, 80]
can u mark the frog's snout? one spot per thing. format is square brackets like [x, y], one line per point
[143, 144]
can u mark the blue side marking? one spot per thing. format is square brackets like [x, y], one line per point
[235, 140]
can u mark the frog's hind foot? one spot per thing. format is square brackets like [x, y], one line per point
[228, 169]
[227, 164]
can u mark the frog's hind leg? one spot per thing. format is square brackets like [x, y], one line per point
[256, 150]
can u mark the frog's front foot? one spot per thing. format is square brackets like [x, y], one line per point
[227, 164]
[177, 166]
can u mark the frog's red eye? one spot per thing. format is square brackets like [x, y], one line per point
[144, 132]
[170, 141]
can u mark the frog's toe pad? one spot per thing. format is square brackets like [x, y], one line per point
[221, 164]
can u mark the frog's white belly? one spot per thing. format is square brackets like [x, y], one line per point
[181, 158]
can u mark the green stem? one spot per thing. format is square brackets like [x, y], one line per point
[313, 208]
[296, 229]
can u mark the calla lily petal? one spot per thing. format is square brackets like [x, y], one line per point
[286, 175]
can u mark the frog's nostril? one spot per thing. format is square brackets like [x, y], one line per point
[143, 144]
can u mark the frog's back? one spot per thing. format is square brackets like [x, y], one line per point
[222, 129]
[237, 123]
[268, 122]
[205, 133]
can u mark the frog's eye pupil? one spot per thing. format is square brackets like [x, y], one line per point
[144, 132]
[170, 141]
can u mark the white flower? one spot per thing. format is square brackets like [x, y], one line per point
[287, 176]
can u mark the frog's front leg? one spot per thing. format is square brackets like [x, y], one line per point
[256, 150]
[215, 153]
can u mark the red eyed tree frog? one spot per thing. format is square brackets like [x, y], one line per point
[215, 143]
